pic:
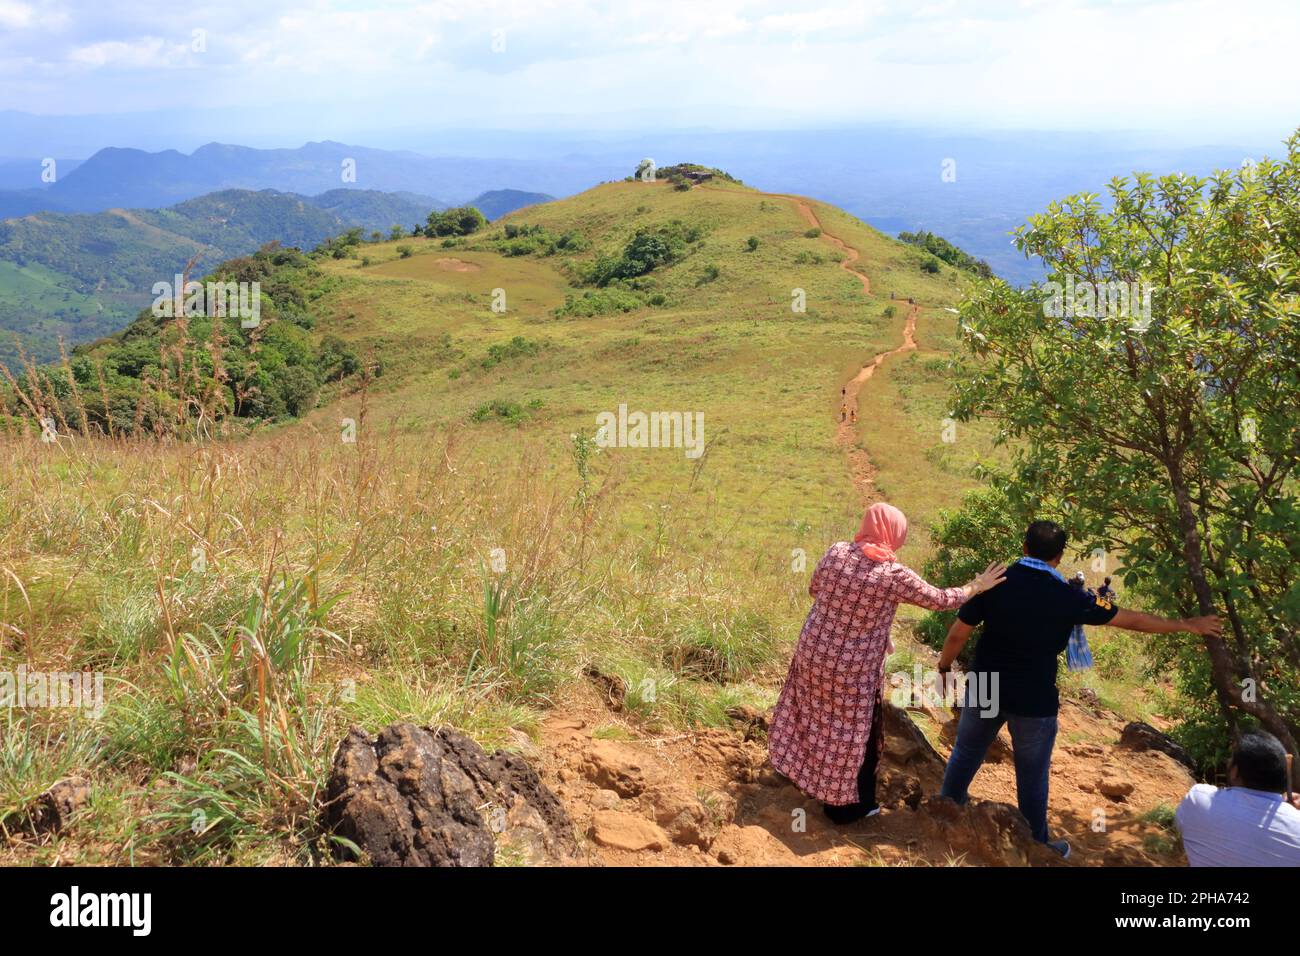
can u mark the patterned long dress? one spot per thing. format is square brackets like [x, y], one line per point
[820, 729]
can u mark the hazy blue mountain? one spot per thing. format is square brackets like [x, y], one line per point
[374, 210]
[117, 177]
[27, 173]
[496, 203]
[888, 175]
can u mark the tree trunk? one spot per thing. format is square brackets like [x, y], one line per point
[1227, 683]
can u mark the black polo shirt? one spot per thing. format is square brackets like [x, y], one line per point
[1027, 622]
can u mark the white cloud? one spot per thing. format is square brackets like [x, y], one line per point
[1079, 63]
[144, 53]
[15, 16]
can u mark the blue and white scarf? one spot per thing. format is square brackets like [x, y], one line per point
[1077, 655]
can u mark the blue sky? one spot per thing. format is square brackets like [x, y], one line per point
[1205, 69]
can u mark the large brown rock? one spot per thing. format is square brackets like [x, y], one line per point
[905, 743]
[414, 796]
[984, 833]
[1139, 736]
[613, 765]
[683, 817]
[625, 831]
[1114, 783]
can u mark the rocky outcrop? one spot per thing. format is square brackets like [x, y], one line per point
[616, 766]
[1141, 736]
[414, 796]
[984, 833]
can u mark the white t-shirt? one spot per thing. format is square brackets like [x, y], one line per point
[1234, 826]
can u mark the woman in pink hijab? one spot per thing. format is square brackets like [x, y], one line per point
[826, 732]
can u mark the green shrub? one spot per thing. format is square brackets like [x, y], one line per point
[460, 221]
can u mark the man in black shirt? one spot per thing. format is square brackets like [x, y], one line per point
[1027, 623]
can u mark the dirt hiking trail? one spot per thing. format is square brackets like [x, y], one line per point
[860, 467]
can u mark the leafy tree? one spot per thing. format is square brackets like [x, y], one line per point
[649, 248]
[460, 221]
[941, 248]
[1171, 426]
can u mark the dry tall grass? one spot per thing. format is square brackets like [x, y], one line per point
[248, 599]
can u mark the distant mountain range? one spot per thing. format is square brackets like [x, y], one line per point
[84, 275]
[495, 203]
[116, 178]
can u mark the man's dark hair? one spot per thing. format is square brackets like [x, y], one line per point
[1045, 540]
[1260, 760]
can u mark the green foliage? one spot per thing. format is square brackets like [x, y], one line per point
[1174, 428]
[242, 698]
[33, 758]
[517, 347]
[648, 249]
[690, 173]
[518, 239]
[752, 243]
[460, 221]
[613, 298]
[505, 410]
[138, 379]
[943, 249]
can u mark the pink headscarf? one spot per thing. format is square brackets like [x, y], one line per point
[883, 531]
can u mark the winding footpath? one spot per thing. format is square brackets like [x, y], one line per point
[864, 474]
[860, 466]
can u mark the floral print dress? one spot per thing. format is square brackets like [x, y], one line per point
[822, 723]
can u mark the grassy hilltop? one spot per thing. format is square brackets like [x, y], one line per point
[443, 542]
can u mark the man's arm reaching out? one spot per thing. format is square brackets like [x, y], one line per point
[960, 631]
[1154, 624]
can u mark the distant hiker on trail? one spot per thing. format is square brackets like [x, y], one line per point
[1251, 821]
[844, 411]
[853, 416]
[827, 730]
[1027, 623]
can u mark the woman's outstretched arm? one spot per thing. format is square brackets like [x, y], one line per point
[914, 589]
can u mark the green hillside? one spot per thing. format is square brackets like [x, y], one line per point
[82, 275]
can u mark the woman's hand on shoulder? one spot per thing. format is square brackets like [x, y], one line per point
[987, 579]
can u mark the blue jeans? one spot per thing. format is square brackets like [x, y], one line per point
[1031, 744]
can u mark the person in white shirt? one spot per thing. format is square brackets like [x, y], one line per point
[1254, 821]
